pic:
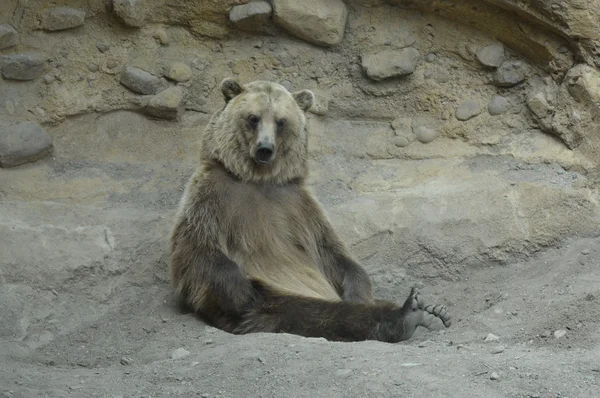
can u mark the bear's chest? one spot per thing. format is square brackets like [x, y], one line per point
[265, 222]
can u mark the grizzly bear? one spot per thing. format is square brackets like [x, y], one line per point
[252, 250]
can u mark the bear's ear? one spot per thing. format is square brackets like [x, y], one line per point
[230, 88]
[305, 99]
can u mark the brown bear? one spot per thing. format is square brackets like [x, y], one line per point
[252, 250]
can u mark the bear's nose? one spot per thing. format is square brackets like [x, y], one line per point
[264, 152]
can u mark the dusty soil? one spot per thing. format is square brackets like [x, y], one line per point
[88, 310]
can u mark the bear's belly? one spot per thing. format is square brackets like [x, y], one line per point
[283, 255]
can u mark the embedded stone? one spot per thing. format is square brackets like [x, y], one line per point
[61, 18]
[252, 16]
[390, 63]
[491, 55]
[8, 36]
[321, 22]
[140, 81]
[22, 66]
[23, 143]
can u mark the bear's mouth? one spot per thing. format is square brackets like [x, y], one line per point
[264, 155]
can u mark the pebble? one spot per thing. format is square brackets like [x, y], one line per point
[23, 142]
[494, 376]
[61, 18]
[498, 105]
[8, 36]
[161, 35]
[48, 79]
[102, 47]
[343, 372]
[467, 110]
[166, 104]
[205, 395]
[424, 134]
[111, 64]
[251, 16]
[390, 63]
[140, 81]
[545, 333]
[125, 361]
[498, 350]
[491, 55]
[509, 74]
[180, 353]
[401, 142]
[179, 72]
[23, 66]
[491, 337]
[430, 57]
[585, 252]
[130, 12]
[560, 333]
[538, 105]
[321, 105]
[93, 68]
[287, 84]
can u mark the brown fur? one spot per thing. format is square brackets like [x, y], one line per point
[252, 250]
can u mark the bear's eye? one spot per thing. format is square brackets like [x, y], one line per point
[280, 124]
[253, 121]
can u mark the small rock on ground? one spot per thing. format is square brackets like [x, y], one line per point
[161, 35]
[166, 104]
[8, 36]
[509, 74]
[491, 55]
[498, 105]
[140, 81]
[320, 22]
[22, 66]
[61, 18]
[491, 337]
[180, 353]
[401, 142]
[389, 63]
[494, 376]
[179, 72]
[498, 350]
[130, 12]
[560, 333]
[424, 134]
[252, 16]
[321, 105]
[23, 143]
[467, 110]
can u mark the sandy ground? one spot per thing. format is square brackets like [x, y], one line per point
[87, 311]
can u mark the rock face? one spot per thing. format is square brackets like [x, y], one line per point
[140, 81]
[22, 66]
[321, 22]
[61, 18]
[8, 36]
[252, 16]
[491, 55]
[22, 143]
[390, 63]
[131, 12]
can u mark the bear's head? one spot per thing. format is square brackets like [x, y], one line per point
[260, 134]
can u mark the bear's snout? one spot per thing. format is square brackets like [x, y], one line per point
[264, 152]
